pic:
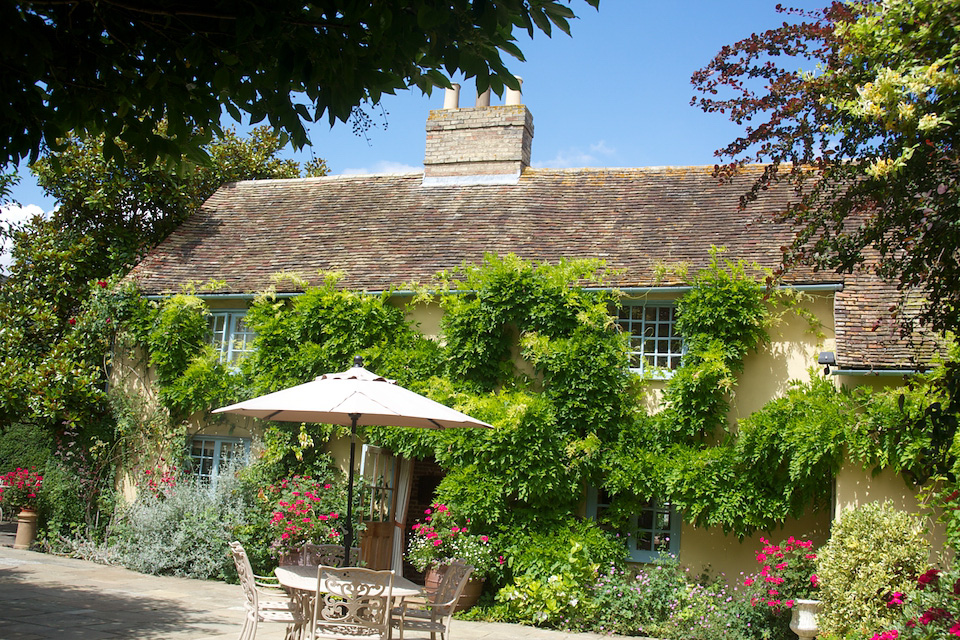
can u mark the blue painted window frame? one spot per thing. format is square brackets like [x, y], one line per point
[230, 335]
[647, 531]
[206, 460]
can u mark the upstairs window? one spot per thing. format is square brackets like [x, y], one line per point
[654, 529]
[655, 346]
[231, 336]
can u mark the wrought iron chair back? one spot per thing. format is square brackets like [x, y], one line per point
[330, 555]
[263, 605]
[352, 602]
[434, 616]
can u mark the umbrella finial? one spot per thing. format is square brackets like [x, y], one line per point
[358, 361]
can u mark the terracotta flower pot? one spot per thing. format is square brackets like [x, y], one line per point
[469, 596]
[26, 528]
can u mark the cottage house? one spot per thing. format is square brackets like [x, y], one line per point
[478, 194]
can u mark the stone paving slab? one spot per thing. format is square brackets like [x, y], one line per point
[44, 596]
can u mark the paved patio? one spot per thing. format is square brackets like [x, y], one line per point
[44, 596]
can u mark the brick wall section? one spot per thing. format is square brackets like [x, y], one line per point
[479, 141]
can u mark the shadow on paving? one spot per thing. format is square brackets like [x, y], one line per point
[29, 610]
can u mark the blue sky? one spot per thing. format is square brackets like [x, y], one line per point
[617, 93]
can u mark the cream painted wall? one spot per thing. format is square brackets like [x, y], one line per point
[791, 352]
[712, 550]
[425, 318]
[856, 486]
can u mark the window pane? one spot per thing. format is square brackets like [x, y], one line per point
[662, 348]
[645, 541]
[645, 520]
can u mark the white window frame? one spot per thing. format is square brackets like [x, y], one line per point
[649, 335]
[220, 454]
[649, 533]
[230, 335]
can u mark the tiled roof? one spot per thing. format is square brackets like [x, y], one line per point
[389, 230]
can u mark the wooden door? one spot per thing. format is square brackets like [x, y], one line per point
[379, 472]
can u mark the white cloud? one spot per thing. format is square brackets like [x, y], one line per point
[15, 214]
[597, 154]
[384, 166]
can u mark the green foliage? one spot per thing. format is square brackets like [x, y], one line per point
[637, 602]
[873, 551]
[184, 531]
[121, 71]
[64, 300]
[722, 318]
[913, 429]
[179, 331]
[858, 104]
[553, 572]
[24, 445]
[577, 548]
[322, 330]
[778, 462]
[556, 601]
[714, 610]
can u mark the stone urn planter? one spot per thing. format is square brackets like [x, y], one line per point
[26, 529]
[804, 619]
[471, 592]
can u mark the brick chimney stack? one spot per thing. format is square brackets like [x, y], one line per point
[482, 145]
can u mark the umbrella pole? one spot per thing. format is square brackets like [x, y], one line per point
[348, 538]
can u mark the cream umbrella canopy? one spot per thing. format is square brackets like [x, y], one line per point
[353, 397]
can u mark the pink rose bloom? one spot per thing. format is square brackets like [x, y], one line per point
[437, 542]
[748, 582]
[484, 539]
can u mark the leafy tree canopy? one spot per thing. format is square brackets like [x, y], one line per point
[52, 346]
[120, 69]
[868, 134]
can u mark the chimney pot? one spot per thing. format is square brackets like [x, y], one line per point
[451, 97]
[483, 99]
[515, 97]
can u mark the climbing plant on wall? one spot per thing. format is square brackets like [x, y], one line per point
[530, 350]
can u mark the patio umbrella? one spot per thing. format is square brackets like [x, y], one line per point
[353, 397]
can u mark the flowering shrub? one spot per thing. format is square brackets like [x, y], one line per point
[787, 574]
[160, 483]
[931, 611]
[441, 538]
[305, 510]
[716, 609]
[18, 489]
[638, 601]
[874, 551]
